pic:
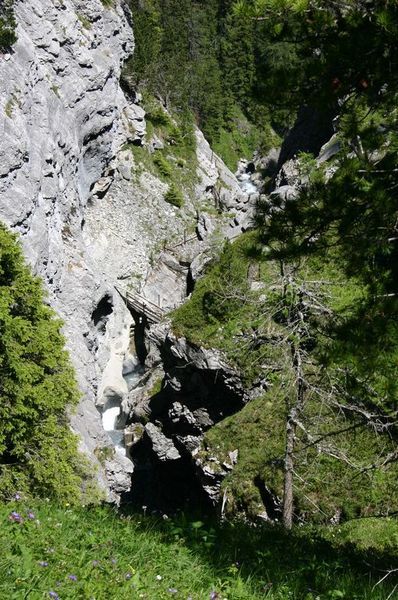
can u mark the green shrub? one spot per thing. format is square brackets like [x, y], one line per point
[163, 165]
[38, 452]
[174, 196]
[7, 25]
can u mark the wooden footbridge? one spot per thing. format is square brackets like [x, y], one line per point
[144, 307]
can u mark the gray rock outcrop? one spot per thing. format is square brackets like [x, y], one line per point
[198, 389]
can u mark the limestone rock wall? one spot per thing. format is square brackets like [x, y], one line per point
[60, 128]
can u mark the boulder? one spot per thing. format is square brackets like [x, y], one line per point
[162, 446]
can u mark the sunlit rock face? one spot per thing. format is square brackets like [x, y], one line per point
[61, 108]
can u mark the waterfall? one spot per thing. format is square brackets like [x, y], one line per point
[132, 374]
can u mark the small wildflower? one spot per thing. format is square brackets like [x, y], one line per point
[113, 561]
[17, 496]
[72, 577]
[95, 563]
[50, 550]
[15, 517]
[31, 515]
[214, 595]
[53, 595]
[172, 591]
[43, 563]
[159, 577]
[128, 576]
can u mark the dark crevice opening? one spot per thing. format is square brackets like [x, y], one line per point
[140, 327]
[164, 486]
[102, 311]
[190, 283]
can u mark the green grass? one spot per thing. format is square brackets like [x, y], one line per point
[103, 554]
[242, 139]
[223, 311]
[174, 196]
[176, 162]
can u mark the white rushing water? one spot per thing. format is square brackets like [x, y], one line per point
[109, 420]
[248, 187]
[110, 415]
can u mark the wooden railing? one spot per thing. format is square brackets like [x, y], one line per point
[144, 307]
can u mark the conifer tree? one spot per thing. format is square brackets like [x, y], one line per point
[38, 452]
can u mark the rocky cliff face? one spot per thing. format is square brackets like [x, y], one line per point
[88, 227]
[188, 391]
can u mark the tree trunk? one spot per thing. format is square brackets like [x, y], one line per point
[289, 471]
[291, 421]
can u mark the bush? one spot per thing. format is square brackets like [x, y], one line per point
[163, 165]
[38, 452]
[7, 25]
[174, 196]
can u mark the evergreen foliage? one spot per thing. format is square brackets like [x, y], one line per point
[38, 452]
[196, 55]
[7, 24]
[174, 196]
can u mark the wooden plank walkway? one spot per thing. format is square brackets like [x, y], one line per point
[144, 307]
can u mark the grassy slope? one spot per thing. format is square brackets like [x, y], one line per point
[323, 484]
[101, 554]
[241, 139]
[176, 162]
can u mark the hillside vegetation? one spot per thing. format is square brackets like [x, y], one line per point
[59, 552]
[243, 307]
[7, 25]
[38, 452]
[197, 56]
[315, 327]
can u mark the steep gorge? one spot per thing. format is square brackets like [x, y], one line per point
[91, 221]
[124, 209]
